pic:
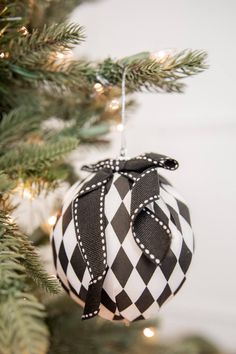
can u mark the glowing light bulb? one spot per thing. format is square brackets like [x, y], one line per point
[148, 332]
[26, 193]
[120, 127]
[4, 55]
[98, 88]
[114, 105]
[52, 220]
[162, 55]
[23, 30]
[11, 221]
[59, 55]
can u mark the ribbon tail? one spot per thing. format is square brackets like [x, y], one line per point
[89, 222]
[93, 299]
[150, 232]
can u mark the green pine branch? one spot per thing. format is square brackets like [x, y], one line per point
[17, 124]
[15, 243]
[34, 49]
[142, 72]
[22, 327]
[145, 72]
[29, 160]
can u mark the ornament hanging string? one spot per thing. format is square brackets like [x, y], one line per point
[123, 147]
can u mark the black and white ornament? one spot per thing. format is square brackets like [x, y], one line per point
[123, 243]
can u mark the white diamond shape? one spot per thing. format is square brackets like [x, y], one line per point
[108, 285]
[152, 311]
[70, 240]
[73, 279]
[57, 234]
[131, 248]
[127, 201]
[173, 192]
[112, 243]
[134, 286]
[157, 283]
[176, 240]
[161, 203]
[131, 313]
[187, 233]
[86, 279]
[169, 199]
[176, 278]
[112, 202]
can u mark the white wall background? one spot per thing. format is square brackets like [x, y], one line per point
[197, 128]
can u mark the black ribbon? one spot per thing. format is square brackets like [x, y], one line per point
[150, 231]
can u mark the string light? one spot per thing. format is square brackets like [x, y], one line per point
[59, 55]
[120, 127]
[148, 332]
[26, 192]
[163, 55]
[4, 55]
[23, 30]
[10, 219]
[52, 220]
[114, 105]
[98, 88]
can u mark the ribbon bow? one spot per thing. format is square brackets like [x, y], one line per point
[150, 232]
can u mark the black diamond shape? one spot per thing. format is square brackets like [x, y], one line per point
[145, 268]
[117, 318]
[160, 214]
[105, 221]
[144, 301]
[168, 264]
[78, 263]
[54, 253]
[139, 318]
[183, 210]
[180, 286]
[122, 186]
[123, 301]
[63, 257]
[66, 218]
[174, 217]
[107, 301]
[185, 257]
[122, 267]
[82, 293]
[121, 222]
[164, 295]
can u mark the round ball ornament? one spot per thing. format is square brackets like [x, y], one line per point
[123, 243]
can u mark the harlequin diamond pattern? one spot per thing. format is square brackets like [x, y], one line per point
[134, 287]
[121, 228]
[122, 267]
[122, 185]
[145, 268]
[63, 257]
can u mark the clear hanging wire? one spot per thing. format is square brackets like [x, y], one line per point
[123, 146]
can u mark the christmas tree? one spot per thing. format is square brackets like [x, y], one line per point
[40, 79]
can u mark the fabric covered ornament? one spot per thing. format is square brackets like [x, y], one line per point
[123, 243]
